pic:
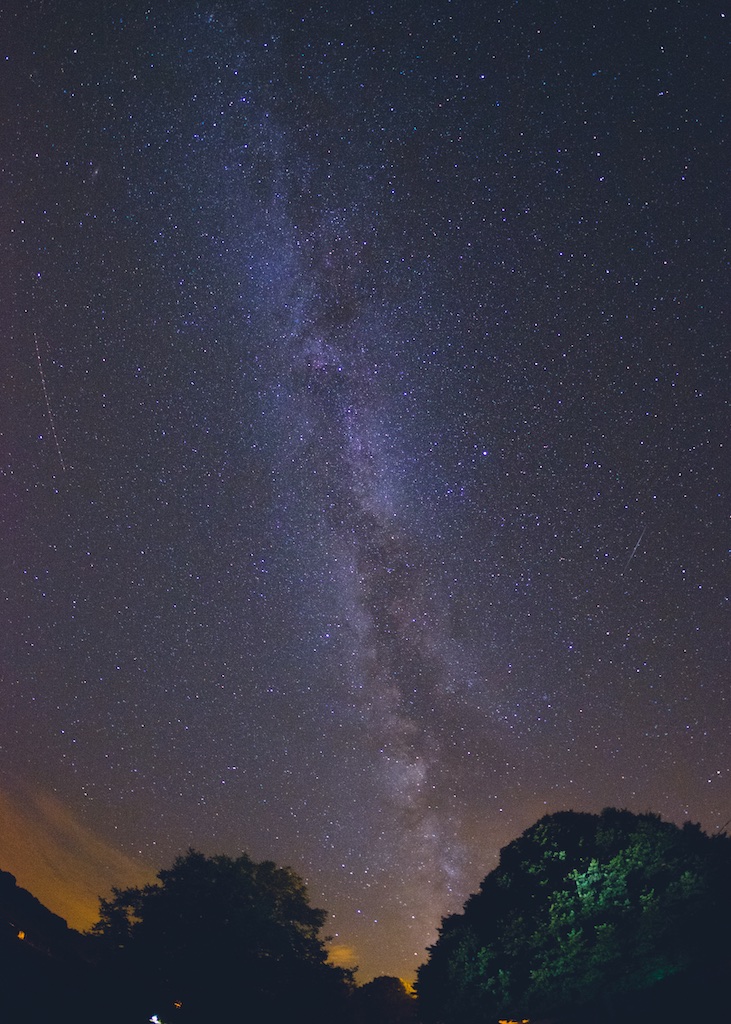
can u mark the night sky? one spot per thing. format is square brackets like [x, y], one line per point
[364, 396]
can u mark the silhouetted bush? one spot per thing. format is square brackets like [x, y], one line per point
[385, 1000]
[219, 938]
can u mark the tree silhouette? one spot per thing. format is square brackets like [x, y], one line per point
[219, 937]
[45, 964]
[614, 911]
[385, 1000]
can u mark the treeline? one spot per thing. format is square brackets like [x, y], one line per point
[587, 917]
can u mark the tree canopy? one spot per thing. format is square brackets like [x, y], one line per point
[585, 910]
[385, 1000]
[219, 936]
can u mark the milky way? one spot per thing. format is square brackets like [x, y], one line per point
[365, 488]
[392, 667]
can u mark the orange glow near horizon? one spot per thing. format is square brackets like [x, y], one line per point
[60, 860]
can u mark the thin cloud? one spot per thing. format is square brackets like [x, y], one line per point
[60, 860]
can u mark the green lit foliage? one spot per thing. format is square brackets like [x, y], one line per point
[220, 936]
[582, 909]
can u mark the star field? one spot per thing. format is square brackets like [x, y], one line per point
[363, 459]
